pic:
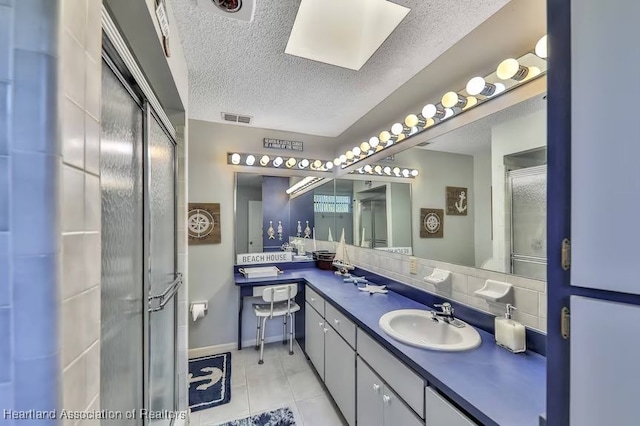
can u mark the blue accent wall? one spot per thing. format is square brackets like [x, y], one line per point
[302, 210]
[275, 207]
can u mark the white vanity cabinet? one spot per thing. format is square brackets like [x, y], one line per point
[378, 405]
[440, 412]
[314, 338]
[333, 357]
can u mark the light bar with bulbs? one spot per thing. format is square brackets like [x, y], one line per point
[278, 162]
[510, 73]
[385, 170]
[304, 183]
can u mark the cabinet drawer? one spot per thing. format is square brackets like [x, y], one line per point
[341, 324]
[440, 412]
[408, 385]
[315, 300]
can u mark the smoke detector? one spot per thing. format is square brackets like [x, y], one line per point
[235, 9]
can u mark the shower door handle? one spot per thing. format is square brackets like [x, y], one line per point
[166, 295]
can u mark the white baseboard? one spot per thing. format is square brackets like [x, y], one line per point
[212, 350]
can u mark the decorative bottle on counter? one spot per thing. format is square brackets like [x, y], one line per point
[510, 334]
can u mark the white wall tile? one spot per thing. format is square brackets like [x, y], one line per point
[73, 134]
[72, 199]
[73, 68]
[91, 315]
[73, 388]
[526, 319]
[71, 337]
[92, 373]
[92, 259]
[92, 145]
[93, 31]
[542, 301]
[73, 271]
[523, 282]
[526, 301]
[74, 18]
[459, 283]
[93, 205]
[93, 86]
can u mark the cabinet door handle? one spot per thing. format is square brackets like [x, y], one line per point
[320, 324]
[325, 329]
[386, 399]
[313, 299]
[336, 321]
[376, 387]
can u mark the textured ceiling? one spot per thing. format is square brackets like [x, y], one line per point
[241, 67]
[476, 137]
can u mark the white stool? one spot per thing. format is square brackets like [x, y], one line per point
[280, 303]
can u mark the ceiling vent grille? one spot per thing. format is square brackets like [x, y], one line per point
[236, 118]
[421, 144]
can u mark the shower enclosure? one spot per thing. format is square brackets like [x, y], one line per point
[373, 217]
[139, 261]
[528, 199]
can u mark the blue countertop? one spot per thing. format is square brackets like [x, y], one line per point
[490, 383]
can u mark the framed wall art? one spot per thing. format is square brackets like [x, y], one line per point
[431, 223]
[203, 223]
[457, 201]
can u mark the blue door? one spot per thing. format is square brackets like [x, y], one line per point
[593, 201]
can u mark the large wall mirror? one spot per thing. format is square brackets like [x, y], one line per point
[479, 200]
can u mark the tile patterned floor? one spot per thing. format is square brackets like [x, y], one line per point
[283, 380]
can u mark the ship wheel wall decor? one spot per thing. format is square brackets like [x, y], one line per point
[431, 223]
[203, 223]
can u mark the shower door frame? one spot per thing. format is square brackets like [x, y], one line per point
[119, 59]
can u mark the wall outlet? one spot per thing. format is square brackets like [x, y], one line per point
[413, 265]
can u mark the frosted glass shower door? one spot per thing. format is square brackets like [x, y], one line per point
[162, 271]
[122, 296]
[528, 189]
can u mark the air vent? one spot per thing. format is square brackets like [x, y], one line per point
[236, 118]
[421, 144]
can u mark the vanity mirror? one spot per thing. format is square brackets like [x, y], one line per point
[482, 192]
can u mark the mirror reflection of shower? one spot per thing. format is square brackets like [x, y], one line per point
[372, 208]
[527, 213]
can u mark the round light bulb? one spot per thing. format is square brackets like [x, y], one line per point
[365, 147]
[343, 158]
[406, 173]
[499, 88]
[475, 86]
[250, 161]
[429, 111]
[387, 170]
[356, 151]
[542, 49]
[317, 164]
[430, 122]
[450, 99]
[533, 71]
[368, 168]
[508, 69]
[397, 128]
[264, 160]
[471, 101]
[413, 131]
[378, 169]
[235, 158]
[401, 137]
[337, 161]
[396, 171]
[329, 165]
[277, 162]
[415, 172]
[349, 155]
[291, 162]
[304, 163]
[412, 120]
[384, 136]
[448, 112]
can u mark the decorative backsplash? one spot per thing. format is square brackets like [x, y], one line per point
[530, 296]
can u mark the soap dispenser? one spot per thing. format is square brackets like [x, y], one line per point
[510, 334]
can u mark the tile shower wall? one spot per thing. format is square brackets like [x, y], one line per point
[530, 295]
[30, 167]
[183, 294]
[80, 47]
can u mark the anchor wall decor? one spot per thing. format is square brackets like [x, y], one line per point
[457, 201]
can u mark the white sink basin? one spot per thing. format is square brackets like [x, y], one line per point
[417, 327]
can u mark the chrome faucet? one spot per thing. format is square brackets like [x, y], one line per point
[446, 314]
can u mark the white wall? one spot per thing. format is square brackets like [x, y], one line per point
[212, 181]
[437, 171]
[244, 195]
[482, 202]
[522, 134]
